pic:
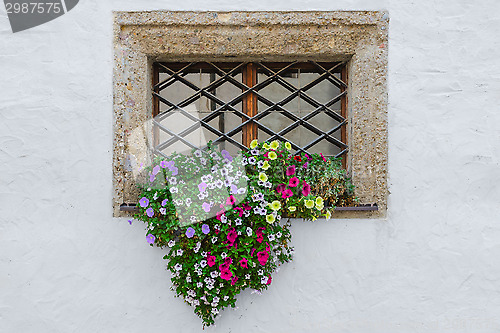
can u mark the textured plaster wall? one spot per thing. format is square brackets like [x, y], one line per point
[432, 266]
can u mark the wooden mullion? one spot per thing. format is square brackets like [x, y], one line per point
[249, 131]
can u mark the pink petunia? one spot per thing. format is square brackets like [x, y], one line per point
[251, 253]
[294, 181]
[210, 261]
[269, 280]
[262, 257]
[290, 171]
[226, 275]
[240, 211]
[219, 214]
[233, 280]
[306, 189]
[232, 235]
[287, 193]
[244, 262]
[230, 200]
[324, 159]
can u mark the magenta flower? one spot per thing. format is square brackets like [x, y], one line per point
[226, 275]
[305, 165]
[206, 207]
[306, 189]
[230, 200]
[219, 214]
[205, 229]
[240, 211]
[144, 202]
[253, 250]
[324, 159]
[269, 280]
[281, 188]
[232, 235]
[233, 280]
[211, 261]
[202, 187]
[262, 257]
[260, 235]
[244, 263]
[150, 238]
[287, 193]
[294, 181]
[290, 171]
[190, 232]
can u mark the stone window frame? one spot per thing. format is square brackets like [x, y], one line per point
[359, 37]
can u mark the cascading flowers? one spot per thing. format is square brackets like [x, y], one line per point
[222, 217]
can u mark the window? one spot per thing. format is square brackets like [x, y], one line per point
[255, 67]
[232, 103]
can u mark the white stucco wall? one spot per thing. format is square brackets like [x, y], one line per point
[67, 266]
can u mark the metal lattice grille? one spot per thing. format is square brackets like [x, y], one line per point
[233, 103]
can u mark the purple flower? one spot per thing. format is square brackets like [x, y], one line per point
[175, 171]
[305, 165]
[234, 189]
[205, 229]
[226, 155]
[290, 170]
[206, 207]
[130, 222]
[163, 164]
[150, 212]
[144, 202]
[190, 232]
[152, 178]
[202, 187]
[164, 202]
[156, 169]
[150, 238]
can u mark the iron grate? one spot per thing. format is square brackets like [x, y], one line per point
[251, 102]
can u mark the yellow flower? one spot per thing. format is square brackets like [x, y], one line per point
[288, 145]
[319, 201]
[309, 203]
[266, 165]
[262, 177]
[320, 207]
[275, 205]
[314, 218]
[275, 144]
[328, 215]
[292, 208]
[254, 143]
[266, 146]
[270, 218]
[272, 155]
